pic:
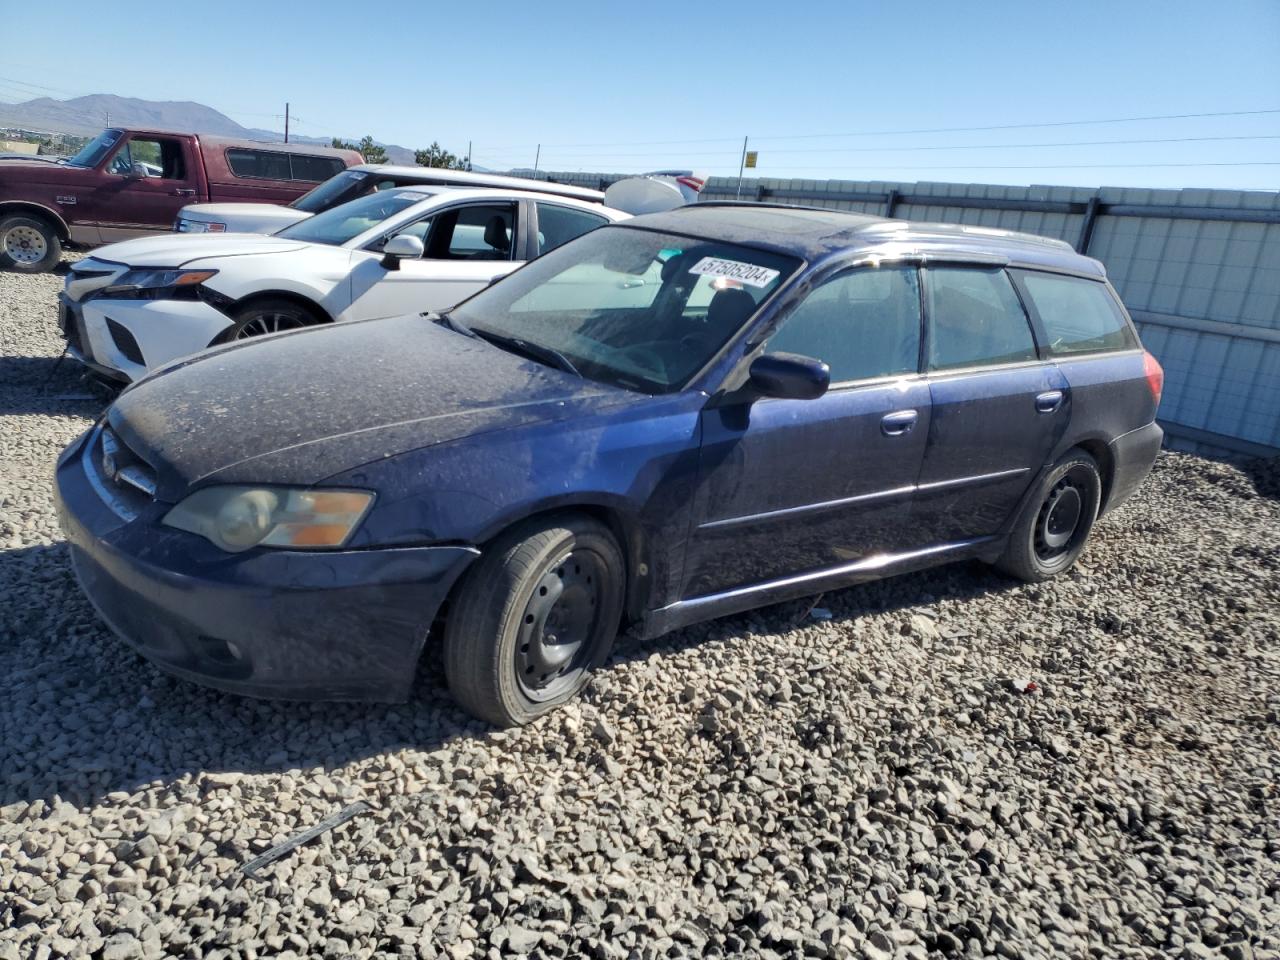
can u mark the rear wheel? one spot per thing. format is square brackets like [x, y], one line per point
[269, 316]
[536, 614]
[1051, 531]
[28, 244]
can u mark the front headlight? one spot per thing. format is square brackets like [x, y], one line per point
[199, 226]
[148, 281]
[238, 518]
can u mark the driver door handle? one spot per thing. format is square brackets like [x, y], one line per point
[1049, 401]
[181, 192]
[898, 423]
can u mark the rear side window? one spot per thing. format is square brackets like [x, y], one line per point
[558, 225]
[1078, 315]
[862, 324]
[975, 319]
[274, 165]
[315, 169]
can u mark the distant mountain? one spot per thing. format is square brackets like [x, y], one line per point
[86, 116]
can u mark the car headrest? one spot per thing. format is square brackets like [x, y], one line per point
[729, 308]
[495, 233]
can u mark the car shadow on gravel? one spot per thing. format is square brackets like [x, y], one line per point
[47, 385]
[84, 716]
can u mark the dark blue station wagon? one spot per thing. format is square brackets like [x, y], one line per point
[669, 419]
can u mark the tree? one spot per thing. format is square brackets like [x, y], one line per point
[437, 156]
[371, 152]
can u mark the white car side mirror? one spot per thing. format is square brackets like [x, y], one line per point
[403, 246]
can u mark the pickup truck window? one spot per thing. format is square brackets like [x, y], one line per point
[278, 165]
[149, 157]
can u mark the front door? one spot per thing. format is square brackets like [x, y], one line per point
[465, 248]
[142, 186]
[998, 410]
[793, 486]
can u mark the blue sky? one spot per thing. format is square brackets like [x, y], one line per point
[627, 87]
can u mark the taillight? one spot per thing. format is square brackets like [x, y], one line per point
[1155, 375]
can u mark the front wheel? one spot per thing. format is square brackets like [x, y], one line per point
[268, 316]
[535, 615]
[28, 244]
[1051, 531]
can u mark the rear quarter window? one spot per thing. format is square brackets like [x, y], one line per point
[1076, 315]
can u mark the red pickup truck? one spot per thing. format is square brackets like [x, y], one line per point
[127, 183]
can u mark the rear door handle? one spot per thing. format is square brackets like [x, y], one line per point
[897, 423]
[1049, 401]
[180, 192]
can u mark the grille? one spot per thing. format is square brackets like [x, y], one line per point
[124, 480]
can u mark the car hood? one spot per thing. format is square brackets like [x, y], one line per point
[176, 249]
[298, 407]
[233, 213]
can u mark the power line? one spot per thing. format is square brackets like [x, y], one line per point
[902, 132]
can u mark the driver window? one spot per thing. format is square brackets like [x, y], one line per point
[149, 157]
[863, 324]
[419, 228]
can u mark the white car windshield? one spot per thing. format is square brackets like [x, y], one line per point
[347, 221]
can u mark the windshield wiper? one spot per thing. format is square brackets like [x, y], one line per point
[535, 351]
[448, 322]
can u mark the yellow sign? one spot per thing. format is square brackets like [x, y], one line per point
[751, 157]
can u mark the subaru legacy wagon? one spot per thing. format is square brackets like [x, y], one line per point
[674, 418]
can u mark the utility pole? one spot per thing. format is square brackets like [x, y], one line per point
[286, 121]
[741, 163]
[108, 118]
[537, 157]
[468, 154]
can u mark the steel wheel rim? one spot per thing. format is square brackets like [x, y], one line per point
[25, 244]
[1058, 523]
[559, 628]
[265, 323]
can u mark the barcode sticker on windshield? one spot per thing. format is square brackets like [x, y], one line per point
[747, 273]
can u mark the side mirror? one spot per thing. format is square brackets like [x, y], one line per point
[789, 376]
[403, 246]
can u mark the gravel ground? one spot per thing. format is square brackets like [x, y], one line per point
[952, 765]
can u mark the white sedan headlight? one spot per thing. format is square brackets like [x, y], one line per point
[199, 226]
[237, 518]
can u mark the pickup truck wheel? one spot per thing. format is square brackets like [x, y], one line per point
[1051, 531]
[268, 316]
[28, 244]
[535, 615]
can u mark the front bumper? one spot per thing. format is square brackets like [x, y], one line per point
[123, 339]
[334, 625]
[1132, 456]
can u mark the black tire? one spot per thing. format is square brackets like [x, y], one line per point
[1051, 531]
[29, 244]
[503, 659]
[268, 315]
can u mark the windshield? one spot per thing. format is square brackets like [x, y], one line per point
[345, 186]
[347, 221]
[93, 151]
[632, 307]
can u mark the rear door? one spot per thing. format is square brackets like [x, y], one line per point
[1082, 326]
[998, 406]
[466, 246]
[792, 486]
[144, 183]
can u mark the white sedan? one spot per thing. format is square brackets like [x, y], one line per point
[132, 306]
